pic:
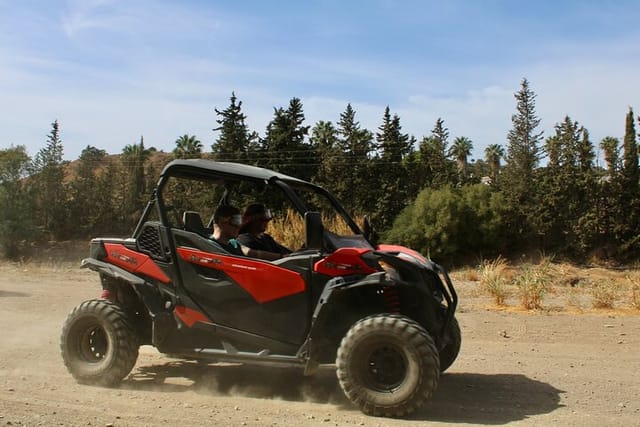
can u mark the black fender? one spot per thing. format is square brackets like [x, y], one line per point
[147, 292]
[324, 325]
[110, 270]
[345, 300]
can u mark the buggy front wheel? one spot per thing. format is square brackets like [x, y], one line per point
[388, 365]
[450, 352]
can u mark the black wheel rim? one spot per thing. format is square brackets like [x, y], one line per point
[94, 344]
[386, 368]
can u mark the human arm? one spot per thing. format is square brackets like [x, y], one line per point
[257, 253]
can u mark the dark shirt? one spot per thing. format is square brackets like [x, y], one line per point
[263, 242]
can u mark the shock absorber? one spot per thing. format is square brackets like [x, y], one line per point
[391, 298]
[107, 288]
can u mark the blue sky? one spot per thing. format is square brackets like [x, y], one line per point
[110, 71]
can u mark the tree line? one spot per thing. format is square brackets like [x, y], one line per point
[423, 193]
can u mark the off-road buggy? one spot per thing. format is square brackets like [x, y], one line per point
[383, 314]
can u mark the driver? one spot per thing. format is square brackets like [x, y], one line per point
[226, 224]
[253, 231]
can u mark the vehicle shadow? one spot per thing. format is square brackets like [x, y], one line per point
[460, 397]
[489, 399]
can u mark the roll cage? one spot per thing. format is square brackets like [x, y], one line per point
[229, 175]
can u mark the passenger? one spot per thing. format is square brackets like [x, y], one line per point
[253, 231]
[226, 224]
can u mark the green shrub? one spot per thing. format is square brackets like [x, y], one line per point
[450, 222]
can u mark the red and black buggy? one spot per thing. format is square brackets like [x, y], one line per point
[383, 314]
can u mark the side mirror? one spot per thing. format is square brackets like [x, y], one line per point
[314, 230]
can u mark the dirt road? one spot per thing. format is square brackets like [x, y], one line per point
[514, 368]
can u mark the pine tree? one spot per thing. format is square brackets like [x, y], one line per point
[356, 169]
[235, 142]
[51, 194]
[523, 151]
[393, 146]
[434, 167]
[564, 185]
[586, 152]
[440, 136]
[285, 145]
[585, 233]
[630, 171]
[324, 139]
[627, 224]
[518, 180]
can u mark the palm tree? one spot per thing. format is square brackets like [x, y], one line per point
[188, 147]
[461, 150]
[493, 153]
[326, 152]
[324, 135]
[133, 158]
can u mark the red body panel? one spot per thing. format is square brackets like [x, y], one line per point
[134, 262]
[396, 248]
[263, 281]
[189, 316]
[344, 262]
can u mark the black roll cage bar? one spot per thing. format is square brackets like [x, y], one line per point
[194, 169]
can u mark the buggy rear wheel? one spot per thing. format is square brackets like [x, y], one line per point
[98, 343]
[388, 365]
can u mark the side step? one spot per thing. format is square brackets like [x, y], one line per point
[230, 354]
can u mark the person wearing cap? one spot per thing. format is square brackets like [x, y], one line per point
[226, 225]
[253, 232]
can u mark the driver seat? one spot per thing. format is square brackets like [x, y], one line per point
[193, 223]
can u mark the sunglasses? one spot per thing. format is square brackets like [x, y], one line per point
[263, 217]
[235, 220]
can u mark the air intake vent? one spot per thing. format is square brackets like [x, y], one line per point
[149, 240]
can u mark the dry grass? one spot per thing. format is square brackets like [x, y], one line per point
[548, 285]
[493, 280]
[635, 297]
[533, 283]
[633, 282]
[290, 231]
[604, 294]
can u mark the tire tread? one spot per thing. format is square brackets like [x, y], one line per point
[124, 342]
[418, 338]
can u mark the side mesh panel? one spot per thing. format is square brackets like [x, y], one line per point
[149, 240]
